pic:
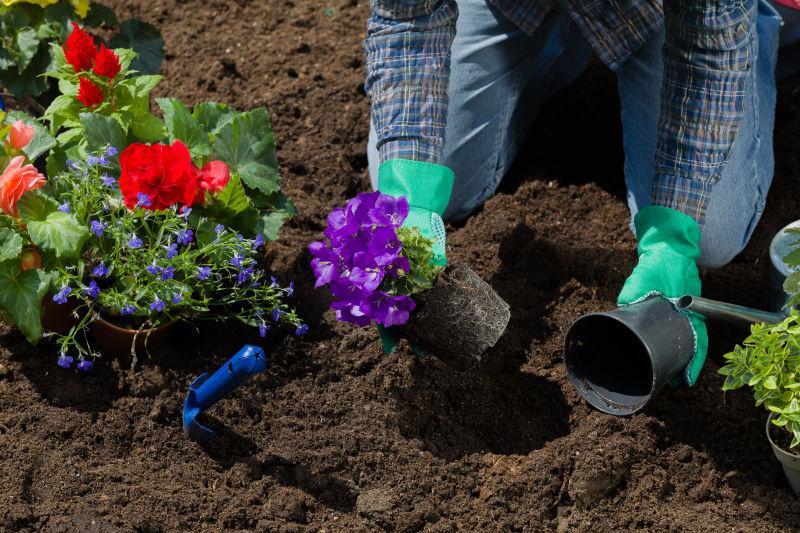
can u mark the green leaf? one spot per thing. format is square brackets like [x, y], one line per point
[270, 224]
[792, 258]
[771, 383]
[60, 233]
[148, 128]
[212, 116]
[10, 244]
[181, 125]
[102, 131]
[28, 44]
[145, 40]
[247, 145]
[30, 82]
[21, 296]
[792, 283]
[232, 207]
[35, 206]
[41, 142]
[64, 109]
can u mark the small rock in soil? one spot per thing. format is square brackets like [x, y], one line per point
[4, 371]
[374, 501]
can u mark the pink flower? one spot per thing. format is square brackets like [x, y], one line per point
[17, 179]
[21, 134]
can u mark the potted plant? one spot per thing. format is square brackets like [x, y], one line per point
[380, 272]
[769, 363]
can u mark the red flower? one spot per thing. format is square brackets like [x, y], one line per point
[164, 173]
[214, 176]
[89, 94]
[79, 49]
[106, 63]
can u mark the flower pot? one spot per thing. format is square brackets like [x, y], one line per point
[781, 245]
[789, 460]
[58, 318]
[115, 341]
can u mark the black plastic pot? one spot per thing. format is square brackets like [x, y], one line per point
[618, 359]
[459, 318]
[789, 461]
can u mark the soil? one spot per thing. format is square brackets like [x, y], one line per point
[336, 436]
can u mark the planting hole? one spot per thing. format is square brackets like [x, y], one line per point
[608, 364]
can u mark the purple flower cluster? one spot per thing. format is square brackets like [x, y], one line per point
[362, 249]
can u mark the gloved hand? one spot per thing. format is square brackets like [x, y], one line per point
[427, 187]
[669, 246]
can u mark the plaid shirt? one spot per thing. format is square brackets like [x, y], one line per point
[708, 58]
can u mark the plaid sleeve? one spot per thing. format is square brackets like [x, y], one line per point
[408, 69]
[708, 58]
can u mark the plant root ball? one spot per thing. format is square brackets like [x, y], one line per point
[459, 318]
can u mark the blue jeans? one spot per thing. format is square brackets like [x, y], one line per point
[500, 77]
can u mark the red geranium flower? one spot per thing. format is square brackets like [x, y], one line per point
[106, 63]
[214, 176]
[164, 173]
[79, 49]
[89, 94]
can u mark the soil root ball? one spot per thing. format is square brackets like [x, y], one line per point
[459, 318]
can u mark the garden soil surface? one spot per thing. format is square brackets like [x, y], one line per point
[336, 436]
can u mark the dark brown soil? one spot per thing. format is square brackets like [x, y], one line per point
[335, 436]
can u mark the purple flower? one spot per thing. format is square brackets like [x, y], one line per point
[301, 330]
[135, 242]
[393, 310]
[64, 207]
[172, 250]
[262, 330]
[185, 237]
[400, 266]
[273, 281]
[177, 297]
[389, 211]
[107, 180]
[64, 360]
[384, 246]
[94, 160]
[203, 272]
[111, 151]
[100, 271]
[290, 289]
[153, 269]
[98, 227]
[84, 365]
[142, 200]
[157, 305]
[366, 273]
[185, 211]
[244, 276]
[168, 273]
[276, 314]
[92, 290]
[72, 165]
[61, 296]
[237, 260]
[258, 241]
[218, 229]
[325, 264]
[354, 312]
[127, 310]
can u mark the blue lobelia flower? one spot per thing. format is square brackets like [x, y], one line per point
[127, 310]
[153, 269]
[142, 200]
[61, 296]
[172, 250]
[203, 272]
[92, 290]
[301, 330]
[64, 207]
[98, 227]
[100, 271]
[157, 305]
[64, 360]
[185, 237]
[107, 180]
[168, 273]
[135, 242]
[84, 365]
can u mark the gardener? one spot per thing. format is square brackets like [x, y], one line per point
[455, 85]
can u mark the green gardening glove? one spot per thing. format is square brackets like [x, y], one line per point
[669, 245]
[427, 187]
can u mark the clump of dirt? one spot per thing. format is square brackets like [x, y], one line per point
[336, 436]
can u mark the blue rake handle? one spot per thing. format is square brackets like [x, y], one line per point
[208, 389]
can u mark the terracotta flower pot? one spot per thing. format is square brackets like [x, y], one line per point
[115, 341]
[58, 318]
